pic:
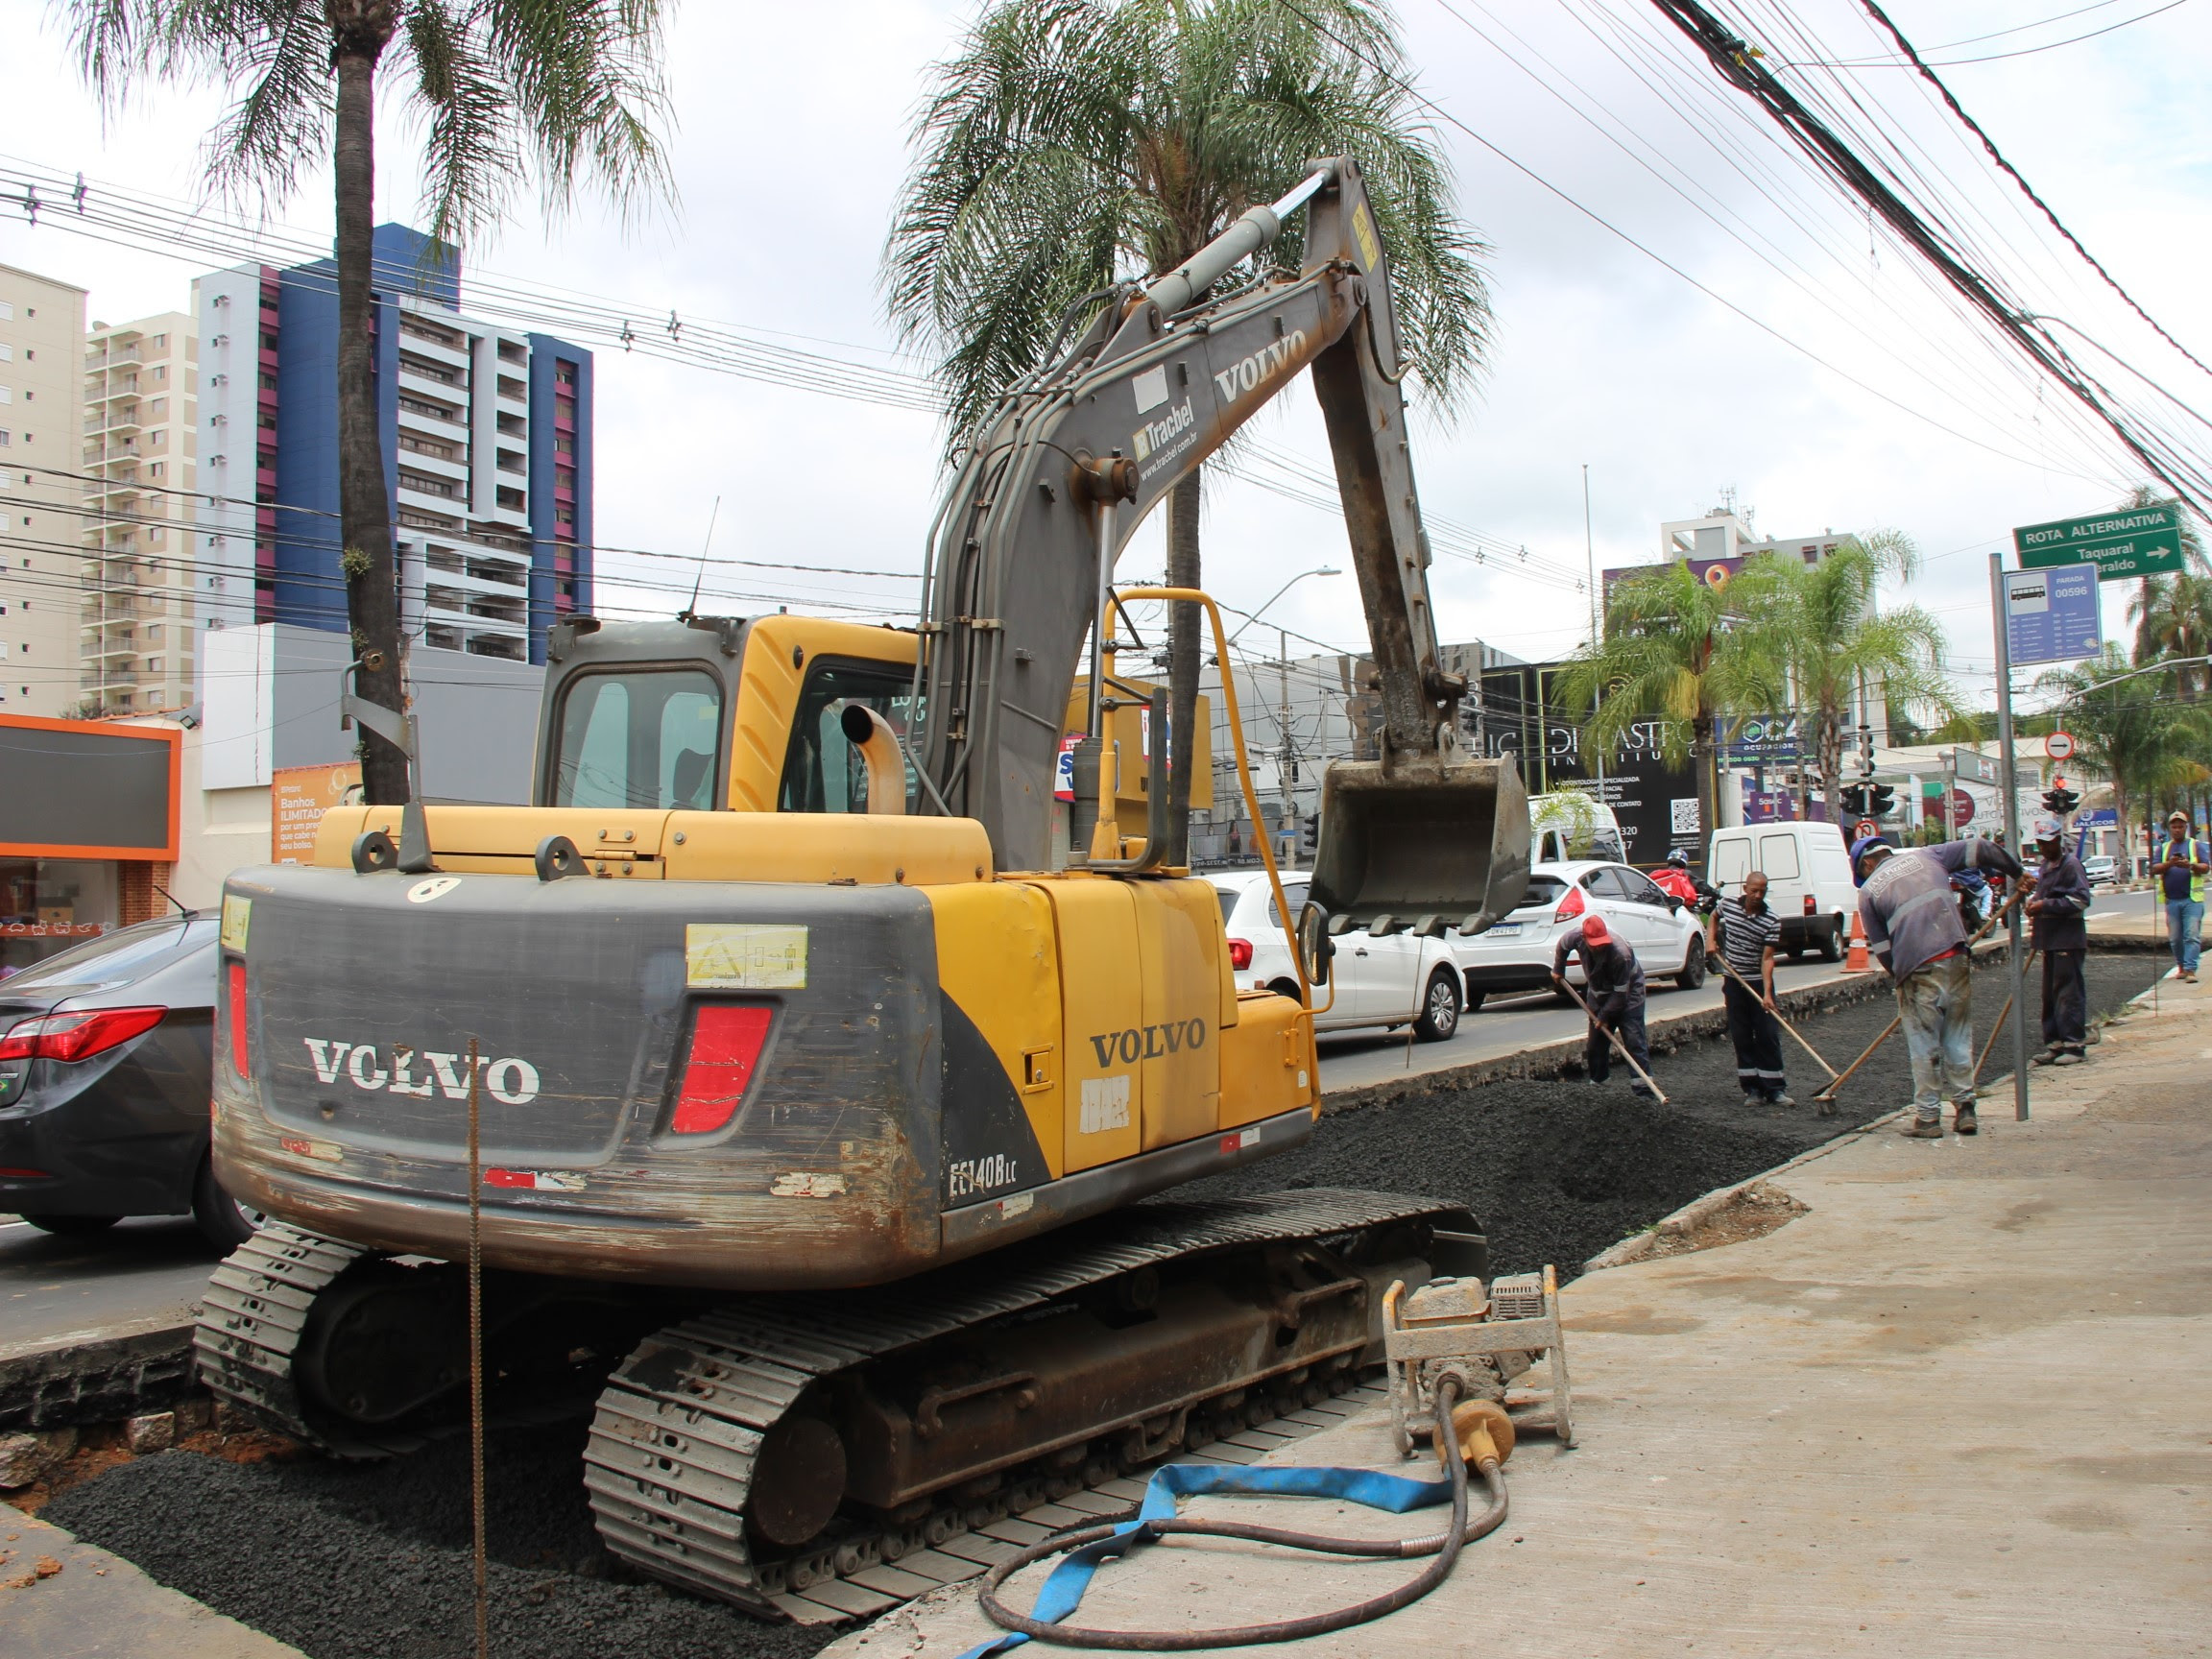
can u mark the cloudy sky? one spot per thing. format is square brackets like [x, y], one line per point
[1793, 361]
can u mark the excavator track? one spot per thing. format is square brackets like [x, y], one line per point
[682, 1430]
[251, 1318]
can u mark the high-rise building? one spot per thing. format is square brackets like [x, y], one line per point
[41, 335]
[139, 606]
[486, 439]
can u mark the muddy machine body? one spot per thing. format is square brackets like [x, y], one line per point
[821, 1099]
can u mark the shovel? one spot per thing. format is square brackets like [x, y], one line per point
[1621, 1047]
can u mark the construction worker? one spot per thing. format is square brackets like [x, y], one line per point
[1613, 981]
[1743, 934]
[2181, 871]
[1912, 926]
[2056, 909]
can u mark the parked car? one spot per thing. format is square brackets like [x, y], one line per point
[1809, 883]
[1516, 953]
[2101, 868]
[104, 1084]
[1393, 981]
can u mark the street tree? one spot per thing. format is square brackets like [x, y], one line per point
[2130, 727]
[1822, 624]
[1676, 650]
[1067, 147]
[506, 94]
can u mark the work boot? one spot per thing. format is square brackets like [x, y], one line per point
[2049, 1057]
[1780, 1100]
[1922, 1129]
[1963, 1121]
[2068, 1057]
[1754, 1103]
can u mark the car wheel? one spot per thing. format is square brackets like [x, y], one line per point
[1693, 972]
[1832, 942]
[1439, 1008]
[72, 1226]
[223, 1221]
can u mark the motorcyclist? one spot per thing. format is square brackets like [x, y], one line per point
[1674, 880]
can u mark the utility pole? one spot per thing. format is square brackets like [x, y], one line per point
[2012, 797]
[1288, 761]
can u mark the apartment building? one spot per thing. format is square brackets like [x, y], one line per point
[41, 334]
[487, 436]
[138, 609]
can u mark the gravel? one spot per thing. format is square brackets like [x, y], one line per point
[373, 1561]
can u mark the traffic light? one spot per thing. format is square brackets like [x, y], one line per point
[2060, 801]
[1884, 801]
[1309, 835]
[1853, 797]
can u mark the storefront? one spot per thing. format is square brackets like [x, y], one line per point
[88, 830]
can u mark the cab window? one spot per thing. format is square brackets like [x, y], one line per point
[823, 772]
[638, 738]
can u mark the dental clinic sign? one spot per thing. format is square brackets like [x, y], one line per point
[2131, 541]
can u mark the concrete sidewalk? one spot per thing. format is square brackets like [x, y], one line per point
[1956, 1407]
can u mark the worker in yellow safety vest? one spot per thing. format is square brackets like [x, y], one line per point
[2181, 865]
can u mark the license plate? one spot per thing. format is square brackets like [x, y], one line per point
[1505, 929]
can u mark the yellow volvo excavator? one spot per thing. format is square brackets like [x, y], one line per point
[827, 1099]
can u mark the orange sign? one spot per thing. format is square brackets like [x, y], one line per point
[298, 798]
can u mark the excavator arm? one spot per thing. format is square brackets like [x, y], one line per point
[1077, 454]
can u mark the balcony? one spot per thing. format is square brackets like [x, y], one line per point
[428, 410]
[423, 484]
[423, 368]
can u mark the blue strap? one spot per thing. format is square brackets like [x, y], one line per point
[1061, 1590]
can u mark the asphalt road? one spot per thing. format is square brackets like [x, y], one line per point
[53, 1288]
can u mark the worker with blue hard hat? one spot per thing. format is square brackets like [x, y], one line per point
[1915, 930]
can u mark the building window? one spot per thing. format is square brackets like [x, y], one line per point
[160, 342]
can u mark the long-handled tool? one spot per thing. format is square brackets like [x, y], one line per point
[1827, 1095]
[1614, 1037]
[1779, 1017]
[2003, 1014]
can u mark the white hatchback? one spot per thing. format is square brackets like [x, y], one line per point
[1394, 981]
[1516, 953]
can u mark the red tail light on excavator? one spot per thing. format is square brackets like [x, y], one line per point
[1570, 905]
[725, 1043]
[72, 1037]
[235, 996]
[1239, 953]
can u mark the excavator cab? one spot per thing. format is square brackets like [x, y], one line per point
[1421, 847]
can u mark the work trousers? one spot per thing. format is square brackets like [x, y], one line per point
[1628, 1025]
[1936, 1001]
[1758, 1038]
[2184, 919]
[2065, 1001]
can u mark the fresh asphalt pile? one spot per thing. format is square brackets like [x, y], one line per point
[373, 1561]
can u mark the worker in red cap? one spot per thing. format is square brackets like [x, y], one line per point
[1613, 986]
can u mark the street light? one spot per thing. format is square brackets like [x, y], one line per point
[1258, 612]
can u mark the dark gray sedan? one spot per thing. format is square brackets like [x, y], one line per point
[104, 1053]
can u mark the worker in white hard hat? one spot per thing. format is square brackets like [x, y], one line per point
[2056, 909]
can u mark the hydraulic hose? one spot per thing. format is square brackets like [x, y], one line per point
[1117, 1538]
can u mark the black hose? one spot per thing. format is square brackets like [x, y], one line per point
[1445, 1546]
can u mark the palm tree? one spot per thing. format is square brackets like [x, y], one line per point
[1820, 622]
[506, 91]
[1675, 649]
[2172, 614]
[1070, 145]
[2133, 732]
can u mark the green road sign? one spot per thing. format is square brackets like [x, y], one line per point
[2128, 542]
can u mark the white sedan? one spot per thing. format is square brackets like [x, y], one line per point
[1515, 954]
[1390, 982]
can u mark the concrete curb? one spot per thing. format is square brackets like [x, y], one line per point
[105, 1378]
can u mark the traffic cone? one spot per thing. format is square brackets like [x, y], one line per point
[1857, 960]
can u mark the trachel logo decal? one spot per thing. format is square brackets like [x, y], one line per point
[366, 1066]
[1148, 1042]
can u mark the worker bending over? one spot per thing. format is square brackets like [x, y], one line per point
[1912, 926]
[1743, 934]
[1614, 981]
[2056, 907]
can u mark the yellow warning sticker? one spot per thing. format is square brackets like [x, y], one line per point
[237, 912]
[1363, 232]
[744, 956]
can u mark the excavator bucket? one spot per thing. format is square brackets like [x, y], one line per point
[1421, 847]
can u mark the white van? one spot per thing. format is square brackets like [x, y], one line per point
[1573, 824]
[1809, 882]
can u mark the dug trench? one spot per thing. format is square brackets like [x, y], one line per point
[373, 1561]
